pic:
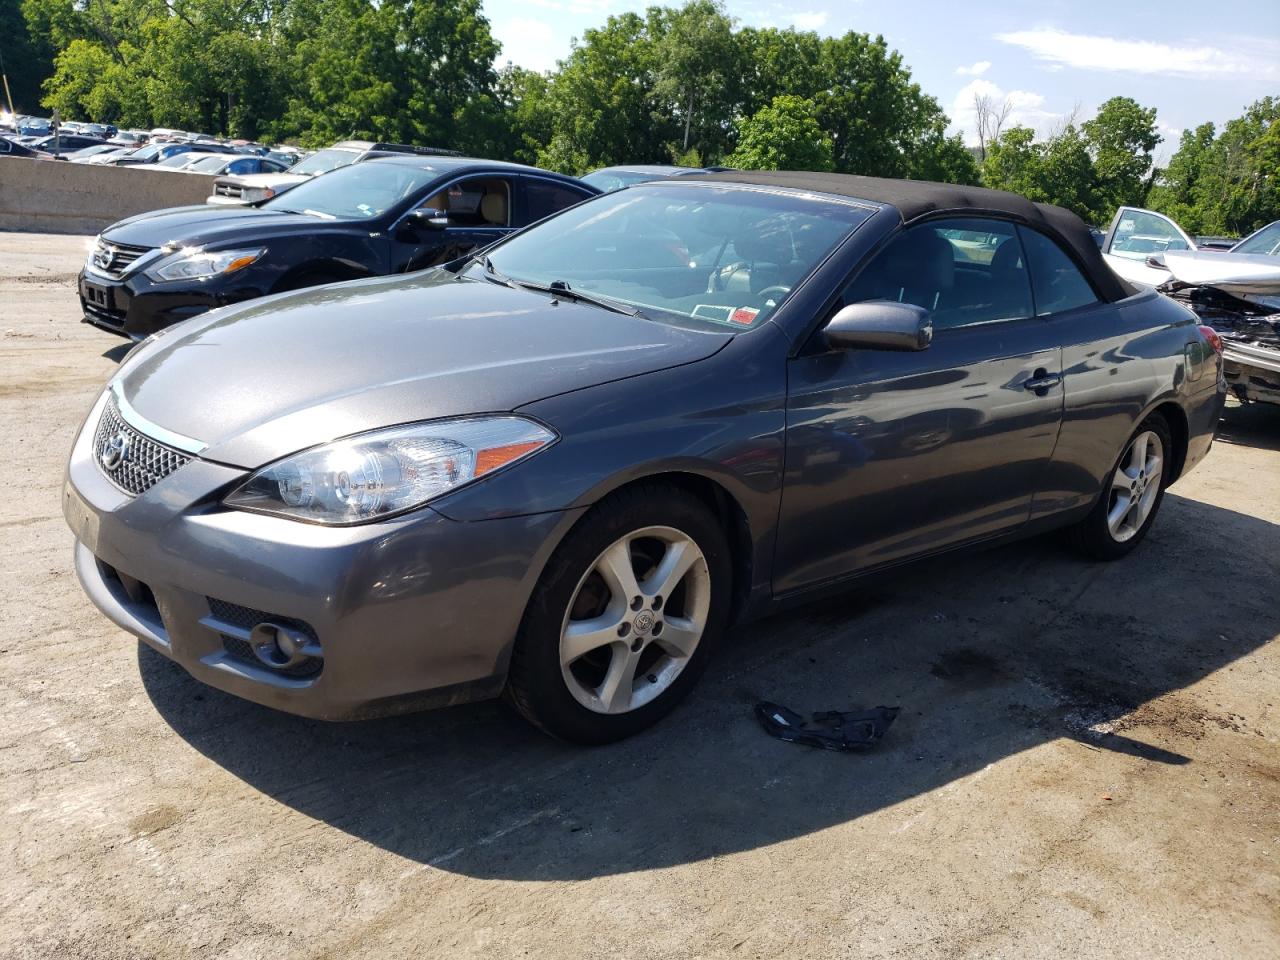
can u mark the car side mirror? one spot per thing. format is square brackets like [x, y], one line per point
[428, 218]
[880, 325]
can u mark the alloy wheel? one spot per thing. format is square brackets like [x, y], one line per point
[1135, 485]
[635, 620]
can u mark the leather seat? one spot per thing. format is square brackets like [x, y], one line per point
[493, 208]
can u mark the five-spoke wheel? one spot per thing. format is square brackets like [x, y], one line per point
[624, 617]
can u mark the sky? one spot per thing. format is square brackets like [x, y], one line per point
[1192, 61]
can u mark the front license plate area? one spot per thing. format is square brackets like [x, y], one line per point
[83, 521]
[97, 295]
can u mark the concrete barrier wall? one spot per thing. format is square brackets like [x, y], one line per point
[46, 196]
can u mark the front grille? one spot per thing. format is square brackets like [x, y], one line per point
[115, 259]
[233, 190]
[131, 460]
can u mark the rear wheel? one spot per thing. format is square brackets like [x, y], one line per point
[1132, 495]
[624, 618]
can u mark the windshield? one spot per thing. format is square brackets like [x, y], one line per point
[1141, 233]
[177, 160]
[692, 255]
[146, 153]
[360, 191]
[209, 163]
[609, 180]
[1266, 241]
[324, 161]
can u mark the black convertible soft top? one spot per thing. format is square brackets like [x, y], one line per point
[914, 199]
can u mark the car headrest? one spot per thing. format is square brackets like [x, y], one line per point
[920, 259]
[1008, 257]
[493, 207]
[765, 241]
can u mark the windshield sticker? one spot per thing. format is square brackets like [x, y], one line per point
[745, 316]
[712, 311]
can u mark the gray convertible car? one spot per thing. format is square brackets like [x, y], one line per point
[559, 470]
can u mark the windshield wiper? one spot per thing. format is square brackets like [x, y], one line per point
[561, 289]
[491, 272]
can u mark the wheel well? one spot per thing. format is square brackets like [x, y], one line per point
[329, 269]
[1177, 421]
[732, 518]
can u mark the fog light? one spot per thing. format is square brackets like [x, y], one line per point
[282, 647]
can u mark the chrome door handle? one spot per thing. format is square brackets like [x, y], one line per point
[1041, 381]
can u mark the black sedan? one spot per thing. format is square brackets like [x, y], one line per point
[390, 215]
[560, 470]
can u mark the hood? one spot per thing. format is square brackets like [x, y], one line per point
[1235, 273]
[262, 380]
[210, 224]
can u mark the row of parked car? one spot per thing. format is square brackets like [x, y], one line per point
[99, 143]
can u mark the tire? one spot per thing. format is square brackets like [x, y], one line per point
[1098, 536]
[585, 695]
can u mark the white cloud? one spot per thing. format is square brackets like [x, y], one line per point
[810, 20]
[528, 43]
[1026, 109]
[1114, 55]
[977, 70]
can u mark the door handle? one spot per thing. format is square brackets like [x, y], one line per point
[1042, 381]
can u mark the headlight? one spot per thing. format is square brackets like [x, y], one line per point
[379, 474]
[198, 265]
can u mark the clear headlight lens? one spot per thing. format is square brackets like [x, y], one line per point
[375, 475]
[198, 264]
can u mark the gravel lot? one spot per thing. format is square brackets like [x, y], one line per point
[1087, 762]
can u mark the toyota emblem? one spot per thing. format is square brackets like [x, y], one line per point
[114, 452]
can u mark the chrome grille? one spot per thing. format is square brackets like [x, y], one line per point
[233, 190]
[115, 259]
[131, 460]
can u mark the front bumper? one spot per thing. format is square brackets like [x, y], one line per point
[414, 612]
[135, 307]
[1252, 372]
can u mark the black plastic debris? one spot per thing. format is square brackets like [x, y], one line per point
[828, 729]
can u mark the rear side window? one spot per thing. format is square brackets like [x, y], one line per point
[543, 198]
[1057, 283]
[965, 272]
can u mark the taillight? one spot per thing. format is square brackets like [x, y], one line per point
[1214, 339]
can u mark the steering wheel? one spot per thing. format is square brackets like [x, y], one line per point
[776, 288]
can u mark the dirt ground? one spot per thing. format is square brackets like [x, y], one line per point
[1087, 763]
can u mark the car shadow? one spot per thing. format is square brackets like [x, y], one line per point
[988, 656]
[118, 352]
[1251, 425]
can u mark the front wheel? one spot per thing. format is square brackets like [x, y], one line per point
[624, 618]
[1132, 495]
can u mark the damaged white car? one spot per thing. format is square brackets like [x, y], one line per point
[1236, 292]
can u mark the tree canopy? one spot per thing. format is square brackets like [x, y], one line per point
[681, 84]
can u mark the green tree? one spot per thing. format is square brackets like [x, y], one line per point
[1121, 139]
[785, 135]
[1225, 182]
[1180, 186]
[874, 113]
[935, 156]
[27, 58]
[695, 58]
[602, 102]
[1059, 170]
